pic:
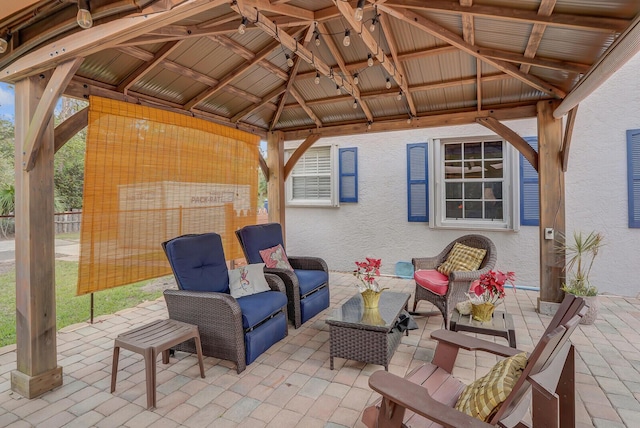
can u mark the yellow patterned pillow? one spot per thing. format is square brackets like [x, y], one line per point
[462, 258]
[483, 398]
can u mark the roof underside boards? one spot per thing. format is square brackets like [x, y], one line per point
[502, 51]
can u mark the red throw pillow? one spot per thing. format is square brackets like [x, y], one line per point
[275, 257]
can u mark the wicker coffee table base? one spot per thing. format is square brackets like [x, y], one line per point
[374, 347]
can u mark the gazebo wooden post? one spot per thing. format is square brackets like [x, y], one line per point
[552, 200]
[275, 185]
[37, 368]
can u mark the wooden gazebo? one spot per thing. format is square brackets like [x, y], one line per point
[296, 70]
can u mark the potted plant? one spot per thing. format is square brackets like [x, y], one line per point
[367, 272]
[580, 254]
[487, 293]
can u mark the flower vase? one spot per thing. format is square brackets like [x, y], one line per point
[372, 316]
[370, 298]
[482, 312]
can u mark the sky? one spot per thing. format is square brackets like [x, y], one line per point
[7, 102]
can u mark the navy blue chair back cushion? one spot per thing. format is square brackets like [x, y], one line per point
[260, 237]
[198, 262]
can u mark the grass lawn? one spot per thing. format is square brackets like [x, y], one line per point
[70, 309]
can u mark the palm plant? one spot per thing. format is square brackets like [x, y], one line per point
[7, 199]
[580, 255]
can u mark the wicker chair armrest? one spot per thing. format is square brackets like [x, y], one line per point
[415, 398]
[308, 263]
[471, 343]
[426, 262]
[468, 276]
[204, 308]
[275, 282]
[286, 275]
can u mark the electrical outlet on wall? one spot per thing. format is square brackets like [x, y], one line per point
[548, 233]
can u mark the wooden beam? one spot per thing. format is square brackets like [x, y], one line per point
[450, 37]
[552, 205]
[297, 154]
[304, 106]
[282, 9]
[40, 120]
[478, 84]
[275, 181]
[101, 37]
[37, 370]
[582, 22]
[253, 107]
[239, 71]
[568, 133]
[537, 31]
[263, 166]
[335, 52]
[247, 54]
[292, 77]
[553, 64]
[145, 68]
[512, 137]
[391, 68]
[468, 30]
[399, 124]
[393, 48]
[70, 127]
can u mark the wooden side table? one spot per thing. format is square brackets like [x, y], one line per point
[150, 340]
[500, 325]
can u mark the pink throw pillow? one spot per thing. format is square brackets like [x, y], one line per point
[275, 257]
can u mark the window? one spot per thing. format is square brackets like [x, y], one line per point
[633, 176]
[474, 183]
[348, 174]
[529, 193]
[418, 182]
[312, 181]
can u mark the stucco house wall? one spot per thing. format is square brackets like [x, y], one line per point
[596, 197]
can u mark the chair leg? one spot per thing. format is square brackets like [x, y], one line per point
[114, 367]
[150, 371]
[199, 352]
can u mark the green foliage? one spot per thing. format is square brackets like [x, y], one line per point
[70, 309]
[7, 199]
[68, 176]
[6, 152]
[580, 255]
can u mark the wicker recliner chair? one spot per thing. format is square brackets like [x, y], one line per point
[232, 329]
[446, 296]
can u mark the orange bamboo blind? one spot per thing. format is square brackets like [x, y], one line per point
[151, 175]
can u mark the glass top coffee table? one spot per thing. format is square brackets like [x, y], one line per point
[366, 335]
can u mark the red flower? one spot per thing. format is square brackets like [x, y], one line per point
[490, 286]
[367, 272]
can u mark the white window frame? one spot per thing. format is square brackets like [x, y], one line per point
[334, 178]
[510, 197]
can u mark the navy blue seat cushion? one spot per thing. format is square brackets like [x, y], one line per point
[260, 237]
[261, 339]
[313, 304]
[257, 307]
[198, 262]
[309, 280]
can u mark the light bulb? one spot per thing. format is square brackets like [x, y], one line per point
[355, 79]
[355, 103]
[3, 45]
[369, 60]
[84, 18]
[399, 97]
[409, 120]
[338, 92]
[368, 125]
[372, 27]
[317, 79]
[388, 84]
[347, 38]
[243, 26]
[359, 11]
[317, 39]
[289, 60]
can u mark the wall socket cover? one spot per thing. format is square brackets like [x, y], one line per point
[548, 233]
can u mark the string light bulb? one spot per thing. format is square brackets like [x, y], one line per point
[84, 18]
[369, 60]
[4, 42]
[368, 125]
[355, 103]
[355, 79]
[399, 97]
[347, 38]
[372, 27]
[359, 12]
[338, 92]
[317, 39]
[388, 84]
[242, 28]
[317, 79]
[409, 119]
[289, 60]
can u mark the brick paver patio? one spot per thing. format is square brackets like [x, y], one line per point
[291, 384]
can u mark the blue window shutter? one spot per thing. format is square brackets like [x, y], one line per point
[529, 193]
[633, 176]
[348, 161]
[418, 182]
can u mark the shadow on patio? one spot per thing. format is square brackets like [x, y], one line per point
[291, 384]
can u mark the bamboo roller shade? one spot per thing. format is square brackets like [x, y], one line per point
[152, 175]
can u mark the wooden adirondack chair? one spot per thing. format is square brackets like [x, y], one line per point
[427, 396]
